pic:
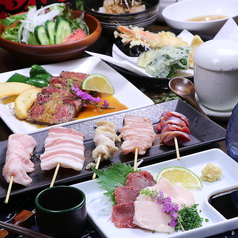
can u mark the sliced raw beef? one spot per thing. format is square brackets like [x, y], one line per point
[140, 180]
[123, 211]
[126, 194]
[122, 215]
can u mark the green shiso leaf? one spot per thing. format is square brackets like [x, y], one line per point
[113, 177]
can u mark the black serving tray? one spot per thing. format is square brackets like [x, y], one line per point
[203, 131]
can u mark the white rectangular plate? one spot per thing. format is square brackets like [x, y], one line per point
[195, 162]
[125, 92]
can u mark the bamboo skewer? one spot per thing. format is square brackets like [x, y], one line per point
[135, 159]
[176, 148]
[9, 189]
[55, 175]
[97, 165]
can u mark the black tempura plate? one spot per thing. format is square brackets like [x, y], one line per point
[135, 51]
[203, 131]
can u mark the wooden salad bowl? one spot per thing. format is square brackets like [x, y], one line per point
[27, 54]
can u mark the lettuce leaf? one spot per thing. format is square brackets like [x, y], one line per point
[10, 20]
[77, 22]
[11, 33]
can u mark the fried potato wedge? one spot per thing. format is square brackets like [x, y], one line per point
[24, 101]
[13, 88]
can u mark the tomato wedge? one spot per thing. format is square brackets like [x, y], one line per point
[75, 35]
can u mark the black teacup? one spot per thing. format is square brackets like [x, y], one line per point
[61, 211]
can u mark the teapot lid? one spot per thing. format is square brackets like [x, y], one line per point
[218, 55]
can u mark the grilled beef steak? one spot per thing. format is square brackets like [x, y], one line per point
[56, 104]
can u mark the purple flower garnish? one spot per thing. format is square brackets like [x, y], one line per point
[87, 98]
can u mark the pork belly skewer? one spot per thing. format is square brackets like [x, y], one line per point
[174, 128]
[138, 135]
[20, 148]
[63, 148]
[104, 138]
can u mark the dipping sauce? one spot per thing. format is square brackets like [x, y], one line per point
[226, 203]
[91, 111]
[207, 18]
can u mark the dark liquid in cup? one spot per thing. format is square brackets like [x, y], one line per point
[60, 199]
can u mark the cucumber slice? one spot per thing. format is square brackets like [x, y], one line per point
[50, 31]
[62, 30]
[41, 36]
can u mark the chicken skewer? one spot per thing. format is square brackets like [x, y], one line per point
[63, 148]
[19, 151]
[138, 135]
[174, 128]
[104, 138]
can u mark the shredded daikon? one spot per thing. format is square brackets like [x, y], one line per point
[100, 204]
[38, 17]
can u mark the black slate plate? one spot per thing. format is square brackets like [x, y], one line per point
[203, 132]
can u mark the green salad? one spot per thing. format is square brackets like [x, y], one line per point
[48, 25]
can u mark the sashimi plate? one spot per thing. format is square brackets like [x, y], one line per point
[203, 132]
[99, 208]
[123, 90]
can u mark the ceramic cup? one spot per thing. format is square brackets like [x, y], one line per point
[61, 211]
[216, 74]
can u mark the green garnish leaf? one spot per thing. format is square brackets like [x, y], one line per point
[113, 177]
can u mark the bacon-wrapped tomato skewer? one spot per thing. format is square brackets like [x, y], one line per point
[138, 135]
[104, 138]
[174, 128]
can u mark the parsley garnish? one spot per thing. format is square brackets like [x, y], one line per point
[113, 177]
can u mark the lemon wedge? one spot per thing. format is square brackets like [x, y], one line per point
[181, 176]
[98, 83]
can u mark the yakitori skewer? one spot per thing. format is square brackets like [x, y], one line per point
[20, 148]
[104, 138]
[174, 128]
[9, 189]
[55, 175]
[138, 135]
[177, 148]
[135, 159]
[97, 165]
[63, 148]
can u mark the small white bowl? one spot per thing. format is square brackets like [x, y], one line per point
[177, 15]
[162, 5]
